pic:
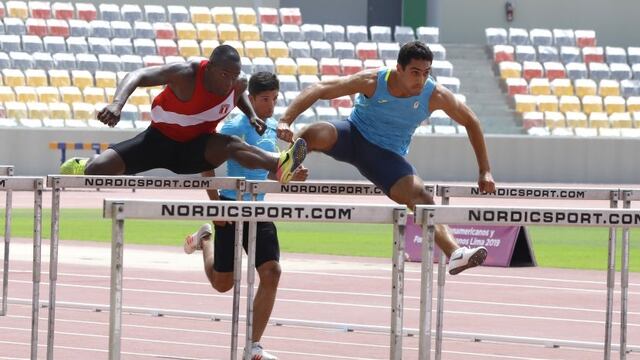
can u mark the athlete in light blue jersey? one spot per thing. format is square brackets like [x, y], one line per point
[389, 106]
[218, 257]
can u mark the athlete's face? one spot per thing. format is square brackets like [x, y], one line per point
[264, 102]
[414, 75]
[222, 77]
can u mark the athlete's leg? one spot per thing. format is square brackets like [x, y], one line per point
[320, 136]
[269, 274]
[107, 163]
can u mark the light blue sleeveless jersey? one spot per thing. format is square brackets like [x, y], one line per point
[240, 126]
[388, 121]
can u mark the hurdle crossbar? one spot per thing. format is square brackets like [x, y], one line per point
[448, 192]
[428, 216]
[35, 184]
[59, 182]
[239, 211]
[627, 196]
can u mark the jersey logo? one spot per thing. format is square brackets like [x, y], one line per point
[383, 101]
[416, 104]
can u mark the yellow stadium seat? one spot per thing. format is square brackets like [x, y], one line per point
[38, 110]
[139, 97]
[36, 77]
[277, 49]
[59, 110]
[585, 87]
[16, 110]
[614, 104]
[286, 66]
[200, 14]
[106, 79]
[246, 15]
[576, 119]
[59, 78]
[17, 9]
[539, 86]
[599, 120]
[13, 77]
[222, 15]
[227, 32]
[93, 95]
[70, 94]
[525, 103]
[237, 45]
[81, 78]
[633, 104]
[188, 48]
[570, 104]
[186, 31]
[547, 103]
[26, 94]
[207, 31]
[307, 66]
[48, 94]
[110, 92]
[591, 103]
[83, 111]
[609, 88]
[249, 32]
[7, 94]
[255, 49]
[620, 120]
[562, 87]
[554, 119]
[207, 46]
[510, 69]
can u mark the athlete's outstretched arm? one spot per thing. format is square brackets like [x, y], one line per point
[149, 76]
[362, 82]
[443, 99]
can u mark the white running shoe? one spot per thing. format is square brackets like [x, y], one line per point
[258, 353]
[193, 242]
[464, 258]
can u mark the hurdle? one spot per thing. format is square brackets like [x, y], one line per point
[428, 216]
[59, 182]
[35, 184]
[626, 196]
[447, 192]
[330, 188]
[240, 211]
[6, 170]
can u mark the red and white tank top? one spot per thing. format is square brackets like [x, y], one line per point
[185, 120]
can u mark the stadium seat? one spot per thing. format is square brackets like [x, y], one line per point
[576, 71]
[333, 33]
[539, 86]
[586, 132]
[17, 9]
[344, 50]
[200, 14]
[494, 36]
[105, 79]
[59, 110]
[404, 34]
[541, 37]
[155, 13]
[62, 10]
[83, 110]
[570, 104]
[64, 61]
[207, 46]
[109, 12]
[14, 26]
[633, 104]
[188, 48]
[509, 69]
[570, 54]
[532, 69]
[186, 31]
[562, 87]
[585, 87]
[599, 71]
[330, 66]
[518, 36]
[33, 43]
[143, 30]
[249, 32]
[270, 32]
[100, 28]
[10, 43]
[86, 11]
[350, 66]
[139, 97]
[206, 31]
[222, 15]
[554, 119]
[564, 37]
[299, 49]
[441, 68]
[516, 86]
[529, 119]
[36, 27]
[291, 32]
[599, 120]
[166, 47]
[367, 50]
[70, 94]
[13, 77]
[268, 15]
[81, 78]
[169, 59]
[585, 38]
[525, 53]
[144, 47]
[576, 119]
[308, 80]
[164, 31]
[122, 46]
[26, 94]
[246, 15]
[99, 45]
[615, 55]
[39, 9]
[451, 83]
[58, 27]
[50, 44]
[630, 133]
[388, 51]
[593, 54]
[547, 103]
[37, 110]
[307, 66]
[503, 53]
[290, 16]
[548, 53]
[16, 110]
[357, 33]
[374, 64]
[380, 33]
[286, 66]
[633, 54]
[109, 62]
[288, 83]
[93, 95]
[21, 60]
[312, 32]
[265, 64]
[254, 49]
[320, 49]
[620, 71]
[609, 132]
[591, 103]
[178, 13]
[613, 104]
[430, 35]
[48, 94]
[620, 120]
[79, 28]
[131, 13]
[609, 88]
[227, 32]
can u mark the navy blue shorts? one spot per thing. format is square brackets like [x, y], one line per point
[381, 166]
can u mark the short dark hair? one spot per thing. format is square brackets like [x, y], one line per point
[414, 50]
[224, 54]
[263, 81]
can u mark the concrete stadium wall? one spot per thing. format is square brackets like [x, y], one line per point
[464, 21]
[437, 158]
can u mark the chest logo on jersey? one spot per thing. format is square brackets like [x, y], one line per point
[224, 108]
[416, 105]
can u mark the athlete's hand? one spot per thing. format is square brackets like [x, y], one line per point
[110, 115]
[284, 132]
[486, 183]
[300, 174]
[258, 124]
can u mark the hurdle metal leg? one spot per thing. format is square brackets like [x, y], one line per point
[251, 262]
[611, 280]
[237, 280]
[624, 281]
[442, 272]
[37, 256]
[115, 307]
[7, 241]
[397, 286]
[426, 288]
[53, 266]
